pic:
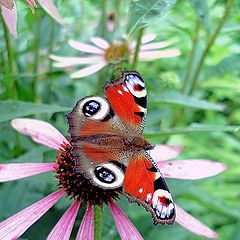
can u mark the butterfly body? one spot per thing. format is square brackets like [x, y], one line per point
[133, 143]
[110, 151]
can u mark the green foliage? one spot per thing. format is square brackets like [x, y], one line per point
[14, 109]
[193, 101]
[175, 98]
[143, 12]
[193, 128]
[227, 65]
[202, 11]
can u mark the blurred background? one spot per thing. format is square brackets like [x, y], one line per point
[193, 101]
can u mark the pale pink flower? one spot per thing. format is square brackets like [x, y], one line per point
[9, 13]
[102, 53]
[44, 133]
[7, 3]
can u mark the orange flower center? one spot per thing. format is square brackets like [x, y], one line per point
[116, 52]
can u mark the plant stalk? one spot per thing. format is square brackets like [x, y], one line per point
[117, 15]
[97, 222]
[102, 72]
[195, 39]
[101, 77]
[36, 55]
[103, 18]
[9, 49]
[137, 49]
[210, 42]
[50, 48]
[11, 86]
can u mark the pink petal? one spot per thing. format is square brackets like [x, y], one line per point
[126, 229]
[15, 171]
[31, 4]
[152, 55]
[190, 169]
[10, 18]
[14, 226]
[86, 230]
[148, 38]
[50, 8]
[88, 70]
[72, 61]
[153, 46]
[192, 224]
[100, 42]
[150, 46]
[63, 228]
[162, 152]
[83, 47]
[40, 131]
[7, 4]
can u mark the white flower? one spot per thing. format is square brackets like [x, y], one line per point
[103, 53]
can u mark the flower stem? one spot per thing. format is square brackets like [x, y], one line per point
[101, 78]
[102, 73]
[36, 55]
[137, 49]
[195, 39]
[12, 91]
[117, 15]
[9, 49]
[210, 42]
[50, 62]
[50, 48]
[97, 222]
[103, 18]
[179, 113]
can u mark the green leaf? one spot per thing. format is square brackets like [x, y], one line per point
[194, 128]
[142, 12]
[225, 83]
[34, 155]
[213, 203]
[26, 191]
[202, 11]
[231, 28]
[236, 232]
[227, 65]
[14, 109]
[176, 98]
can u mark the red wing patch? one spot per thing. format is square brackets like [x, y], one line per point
[144, 184]
[128, 98]
[96, 153]
[93, 127]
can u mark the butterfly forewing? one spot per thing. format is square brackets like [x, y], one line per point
[128, 98]
[93, 136]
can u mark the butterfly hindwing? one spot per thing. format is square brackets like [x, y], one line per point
[144, 184]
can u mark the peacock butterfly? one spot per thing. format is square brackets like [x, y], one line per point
[110, 151]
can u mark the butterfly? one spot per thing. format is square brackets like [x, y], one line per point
[110, 151]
